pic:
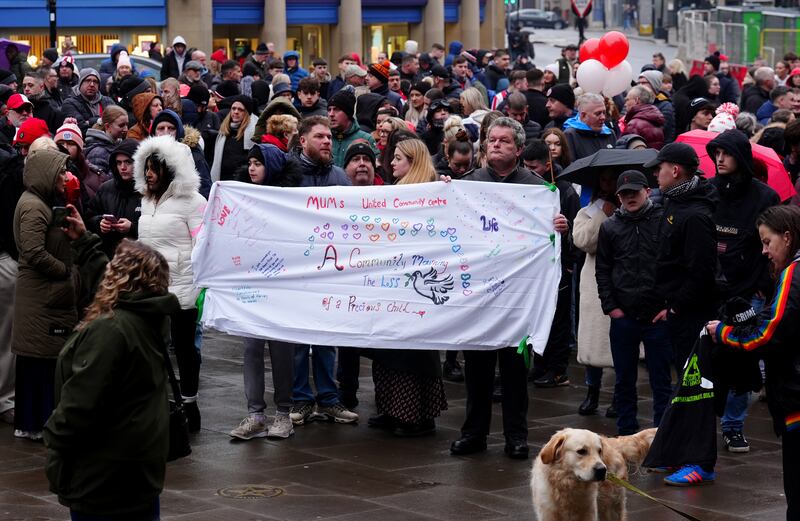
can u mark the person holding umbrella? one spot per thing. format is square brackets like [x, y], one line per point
[746, 272]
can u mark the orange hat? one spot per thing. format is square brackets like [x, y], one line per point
[381, 70]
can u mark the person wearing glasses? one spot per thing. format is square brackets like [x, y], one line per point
[88, 104]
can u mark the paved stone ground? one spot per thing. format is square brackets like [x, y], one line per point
[346, 472]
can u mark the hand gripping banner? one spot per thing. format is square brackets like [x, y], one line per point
[460, 265]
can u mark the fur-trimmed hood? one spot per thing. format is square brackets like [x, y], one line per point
[178, 158]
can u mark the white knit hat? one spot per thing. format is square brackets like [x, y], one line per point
[124, 59]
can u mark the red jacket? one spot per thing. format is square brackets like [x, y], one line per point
[648, 122]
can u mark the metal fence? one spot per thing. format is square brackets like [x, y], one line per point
[775, 43]
[698, 36]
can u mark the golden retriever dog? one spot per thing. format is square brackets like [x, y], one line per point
[569, 475]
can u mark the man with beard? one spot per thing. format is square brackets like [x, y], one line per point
[87, 105]
[505, 143]
[318, 169]
[44, 106]
[341, 111]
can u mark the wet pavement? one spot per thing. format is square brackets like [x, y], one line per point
[351, 472]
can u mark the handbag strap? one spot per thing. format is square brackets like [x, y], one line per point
[173, 382]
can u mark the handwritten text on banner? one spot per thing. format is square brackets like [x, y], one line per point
[464, 265]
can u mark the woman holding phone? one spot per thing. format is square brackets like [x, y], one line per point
[45, 304]
[114, 211]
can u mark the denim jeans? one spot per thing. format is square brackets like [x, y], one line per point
[736, 406]
[626, 334]
[324, 359]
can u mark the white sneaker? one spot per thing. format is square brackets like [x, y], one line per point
[33, 436]
[302, 413]
[281, 427]
[251, 427]
[338, 413]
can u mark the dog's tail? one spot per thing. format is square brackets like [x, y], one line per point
[635, 447]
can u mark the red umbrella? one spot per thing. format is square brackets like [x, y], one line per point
[777, 177]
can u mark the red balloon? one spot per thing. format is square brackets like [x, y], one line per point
[590, 50]
[613, 49]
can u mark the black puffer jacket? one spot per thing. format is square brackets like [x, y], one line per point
[118, 198]
[745, 270]
[687, 258]
[625, 268]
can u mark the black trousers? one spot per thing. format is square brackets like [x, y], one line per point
[791, 473]
[555, 357]
[183, 325]
[684, 331]
[479, 376]
[347, 371]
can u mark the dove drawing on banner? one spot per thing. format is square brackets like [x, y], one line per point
[429, 286]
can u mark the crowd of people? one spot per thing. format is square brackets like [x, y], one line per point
[104, 175]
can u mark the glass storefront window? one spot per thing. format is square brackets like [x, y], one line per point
[386, 38]
[307, 40]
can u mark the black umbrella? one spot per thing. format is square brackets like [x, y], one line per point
[585, 171]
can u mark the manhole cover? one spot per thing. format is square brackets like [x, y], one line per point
[250, 492]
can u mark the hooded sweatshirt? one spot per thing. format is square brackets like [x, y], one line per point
[140, 104]
[742, 198]
[116, 197]
[296, 73]
[454, 50]
[45, 306]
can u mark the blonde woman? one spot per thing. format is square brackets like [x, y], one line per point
[409, 392]
[234, 140]
[678, 72]
[473, 106]
[281, 128]
[412, 163]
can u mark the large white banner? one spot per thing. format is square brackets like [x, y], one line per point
[460, 265]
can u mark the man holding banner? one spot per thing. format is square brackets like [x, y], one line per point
[505, 144]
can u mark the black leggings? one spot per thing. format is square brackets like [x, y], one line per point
[183, 326]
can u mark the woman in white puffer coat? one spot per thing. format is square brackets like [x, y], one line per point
[172, 211]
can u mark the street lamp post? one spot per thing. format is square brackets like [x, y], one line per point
[51, 7]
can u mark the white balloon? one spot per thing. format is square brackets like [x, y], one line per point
[619, 79]
[592, 76]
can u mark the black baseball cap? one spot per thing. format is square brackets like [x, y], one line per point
[678, 153]
[440, 72]
[631, 180]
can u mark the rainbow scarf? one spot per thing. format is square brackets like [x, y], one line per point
[763, 334]
[793, 422]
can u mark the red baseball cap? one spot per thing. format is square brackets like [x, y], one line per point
[31, 130]
[18, 100]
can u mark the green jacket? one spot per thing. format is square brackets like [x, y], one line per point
[343, 140]
[108, 437]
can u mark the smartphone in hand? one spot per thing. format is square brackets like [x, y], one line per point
[60, 214]
[110, 218]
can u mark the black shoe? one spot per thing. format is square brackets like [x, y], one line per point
[382, 421]
[412, 430]
[516, 449]
[192, 415]
[549, 380]
[589, 405]
[451, 371]
[467, 445]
